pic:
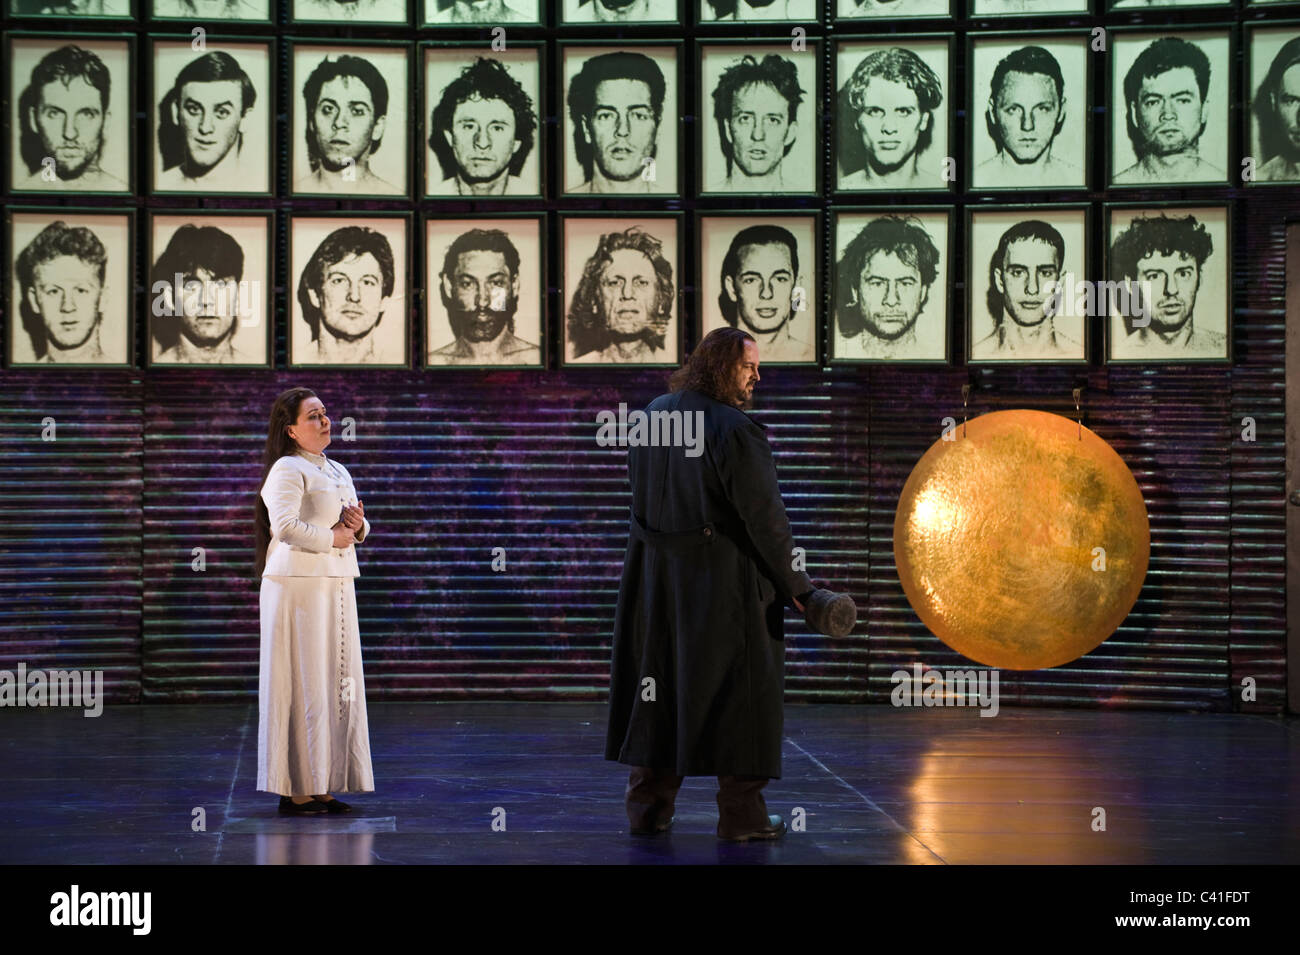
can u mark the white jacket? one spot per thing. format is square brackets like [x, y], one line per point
[304, 496]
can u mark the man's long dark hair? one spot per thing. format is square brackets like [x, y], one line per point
[711, 368]
[1272, 133]
[284, 412]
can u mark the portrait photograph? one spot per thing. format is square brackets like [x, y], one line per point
[750, 11]
[1140, 5]
[619, 285]
[481, 135]
[209, 289]
[1273, 81]
[213, 117]
[894, 114]
[71, 120]
[619, 11]
[894, 9]
[1170, 284]
[1169, 99]
[1030, 111]
[1027, 280]
[208, 11]
[758, 119]
[889, 300]
[69, 287]
[350, 116]
[621, 113]
[453, 13]
[486, 288]
[759, 274]
[346, 12]
[1023, 8]
[347, 284]
[80, 9]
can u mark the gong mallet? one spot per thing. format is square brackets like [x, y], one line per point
[830, 613]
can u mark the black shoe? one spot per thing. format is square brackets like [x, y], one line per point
[652, 830]
[773, 830]
[334, 805]
[309, 808]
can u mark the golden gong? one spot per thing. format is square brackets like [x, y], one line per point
[1023, 542]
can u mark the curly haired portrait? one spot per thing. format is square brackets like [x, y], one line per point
[481, 136]
[621, 291]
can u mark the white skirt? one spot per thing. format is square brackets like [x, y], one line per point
[312, 734]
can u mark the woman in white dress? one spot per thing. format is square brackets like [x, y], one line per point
[312, 734]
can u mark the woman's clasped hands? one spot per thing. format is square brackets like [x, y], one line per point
[351, 520]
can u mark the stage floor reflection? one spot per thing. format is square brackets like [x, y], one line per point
[525, 783]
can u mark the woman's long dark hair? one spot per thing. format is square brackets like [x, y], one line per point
[284, 412]
[711, 368]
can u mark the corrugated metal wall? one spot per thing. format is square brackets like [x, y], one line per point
[70, 513]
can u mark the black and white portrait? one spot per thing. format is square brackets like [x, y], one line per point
[1275, 104]
[209, 289]
[70, 283]
[1169, 108]
[749, 11]
[1026, 268]
[893, 115]
[620, 291]
[450, 13]
[212, 117]
[348, 279]
[1170, 295]
[80, 9]
[759, 274]
[345, 12]
[890, 300]
[350, 121]
[1022, 8]
[1135, 5]
[208, 11]
[481, 137]
[71, 115]
[619, 11]
[620, 120]
[489, 280]
[894, 9]
[763, 138]
[1029, 112]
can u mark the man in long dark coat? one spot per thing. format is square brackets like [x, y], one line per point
[698, 655]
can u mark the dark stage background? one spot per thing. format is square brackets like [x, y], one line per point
[97, 528]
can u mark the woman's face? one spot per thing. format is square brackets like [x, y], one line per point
[312, 429]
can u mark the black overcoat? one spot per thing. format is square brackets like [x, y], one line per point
[706, 577]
